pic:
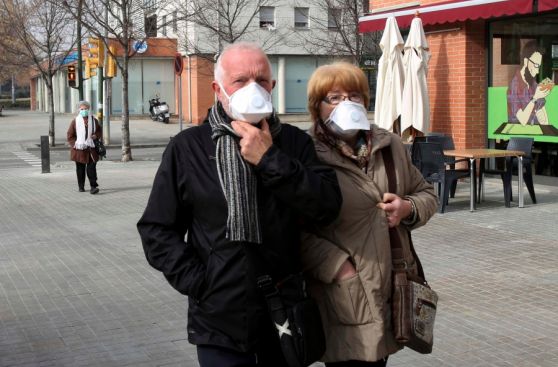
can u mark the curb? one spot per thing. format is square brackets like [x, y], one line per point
[36, 147]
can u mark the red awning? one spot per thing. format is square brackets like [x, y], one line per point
[545, 5]
[449, 12]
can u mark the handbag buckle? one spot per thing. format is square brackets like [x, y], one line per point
[266, 286]
[400, 264]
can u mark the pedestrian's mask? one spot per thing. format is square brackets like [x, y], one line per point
[84, 113]
[251, 103]
[347, 119]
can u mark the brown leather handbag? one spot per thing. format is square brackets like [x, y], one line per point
[413, 302]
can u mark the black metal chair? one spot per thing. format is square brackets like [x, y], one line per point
[430, 160]
[522, 144]
[447, 144]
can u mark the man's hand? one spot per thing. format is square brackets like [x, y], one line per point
[395, 208]
[254, 142]
[541, 92]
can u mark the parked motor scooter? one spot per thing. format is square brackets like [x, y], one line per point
[159, 111]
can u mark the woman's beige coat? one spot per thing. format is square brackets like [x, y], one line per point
[355, 312]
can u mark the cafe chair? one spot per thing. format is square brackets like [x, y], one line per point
[525, 145]
[431, 162]
[447, 144]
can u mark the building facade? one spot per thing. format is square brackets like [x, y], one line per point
[150, 74]
[284, 29]
[477, 49]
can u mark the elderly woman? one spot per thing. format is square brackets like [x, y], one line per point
[349, 261]
[83, 131]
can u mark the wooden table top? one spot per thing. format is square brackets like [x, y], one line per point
[474, 153]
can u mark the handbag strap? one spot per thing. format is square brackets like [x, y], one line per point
[397, 257]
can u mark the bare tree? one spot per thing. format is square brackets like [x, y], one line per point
[119, 23]
[39, 34]
[335, 30]
[223, 22]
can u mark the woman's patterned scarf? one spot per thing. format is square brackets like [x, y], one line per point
[360, 154]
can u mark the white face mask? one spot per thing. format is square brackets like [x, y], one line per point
[347, 119]
[251, 103]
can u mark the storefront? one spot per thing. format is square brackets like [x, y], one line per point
[493, 66]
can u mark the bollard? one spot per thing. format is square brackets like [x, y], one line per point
[45, 154]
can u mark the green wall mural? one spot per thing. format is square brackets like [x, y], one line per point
[500, 128]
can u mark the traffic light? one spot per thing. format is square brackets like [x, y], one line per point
[96, 51]
[110, 67]
[72, 82]
[90, 69]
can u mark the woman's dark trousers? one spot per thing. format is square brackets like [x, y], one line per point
[91, 169]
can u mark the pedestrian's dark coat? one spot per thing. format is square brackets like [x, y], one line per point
[225, 308]
[86, 155]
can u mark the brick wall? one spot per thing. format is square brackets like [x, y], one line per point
[457, 83]
[202, 94]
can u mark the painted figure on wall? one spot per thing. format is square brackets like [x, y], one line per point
[526, 97]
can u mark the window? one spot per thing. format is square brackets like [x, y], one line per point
[151, 26]
[333, 18]
[150, 4]
[267, 16]
[301, 18]
[175, 21]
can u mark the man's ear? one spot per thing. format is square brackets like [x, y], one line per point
[215, 86]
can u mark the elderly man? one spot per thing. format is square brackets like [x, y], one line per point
[229, 198]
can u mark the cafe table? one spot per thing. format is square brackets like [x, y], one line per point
[482, 153]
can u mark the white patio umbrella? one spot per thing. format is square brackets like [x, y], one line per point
[389, 86]
[416, 107]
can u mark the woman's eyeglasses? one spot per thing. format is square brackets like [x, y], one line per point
[335, 99]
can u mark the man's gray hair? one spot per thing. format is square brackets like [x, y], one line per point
[243, 45]
[83, 103]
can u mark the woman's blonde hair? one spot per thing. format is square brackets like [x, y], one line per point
[339, 74]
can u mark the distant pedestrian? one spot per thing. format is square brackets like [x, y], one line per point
[83, 131]
[230, 198]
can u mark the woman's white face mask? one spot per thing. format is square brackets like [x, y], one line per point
[251, 103]
[347, 119]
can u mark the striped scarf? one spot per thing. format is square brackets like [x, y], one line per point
[237, 177]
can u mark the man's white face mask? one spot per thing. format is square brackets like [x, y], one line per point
[251, 103]
[347, 119]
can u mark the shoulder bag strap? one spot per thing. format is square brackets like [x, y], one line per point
[397, 257]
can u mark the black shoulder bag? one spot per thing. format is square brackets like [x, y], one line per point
[413, 302]
[295, 317]
[100, 148]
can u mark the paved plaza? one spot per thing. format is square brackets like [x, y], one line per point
[76, 290]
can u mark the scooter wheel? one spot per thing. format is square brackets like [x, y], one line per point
[166, 120]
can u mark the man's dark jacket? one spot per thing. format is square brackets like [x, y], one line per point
[183, 230]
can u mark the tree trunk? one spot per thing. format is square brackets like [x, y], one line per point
[126, 148]
[13, 90]
[50, 92]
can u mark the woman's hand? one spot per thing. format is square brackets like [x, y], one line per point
[93, 136]
[395, 208]
[346, 271]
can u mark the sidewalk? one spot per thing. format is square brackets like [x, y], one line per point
[76, 290]
[28, 126]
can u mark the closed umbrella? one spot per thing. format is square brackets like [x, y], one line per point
[389, 86]
[416, 108]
